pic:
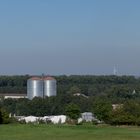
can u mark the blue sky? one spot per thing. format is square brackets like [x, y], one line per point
[69, 36]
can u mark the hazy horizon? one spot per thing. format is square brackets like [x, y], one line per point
[73, 37]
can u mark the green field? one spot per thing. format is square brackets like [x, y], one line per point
[56, 132]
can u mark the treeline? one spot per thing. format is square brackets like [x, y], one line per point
[127, 113]
[86, 84]
[42, 107]
[98, 93]
[116, 88]
[13, 84]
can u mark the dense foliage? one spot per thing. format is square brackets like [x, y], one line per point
[47, 106]
[102, 109]
[72, 111]
[97, 94]
[114, 86]
[13, 84]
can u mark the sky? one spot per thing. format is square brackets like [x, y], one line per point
[72, 37]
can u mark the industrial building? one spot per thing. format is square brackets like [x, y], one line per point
[12, 95]
[41, 87]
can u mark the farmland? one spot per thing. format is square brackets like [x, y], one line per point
[66, 132]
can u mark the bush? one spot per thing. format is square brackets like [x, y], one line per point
[14, 120]
[72, 111]
[71, 121]
[4, 116]
[95, 122]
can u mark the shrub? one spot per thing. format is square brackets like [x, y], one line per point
[4, 116]
[72, 111]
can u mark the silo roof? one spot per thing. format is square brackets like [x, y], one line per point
[35, 78]
[49, 78]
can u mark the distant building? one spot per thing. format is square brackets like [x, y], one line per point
[88, 116]
[12, 95]
[79, 94]
[117, 106]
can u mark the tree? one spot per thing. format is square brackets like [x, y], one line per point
[10, 105]
[22, 107]
[4, 116]
[120, 117]
[72, 111]
[102, 109]
[38, 107]
[74, 89]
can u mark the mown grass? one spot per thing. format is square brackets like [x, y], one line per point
[64, 132]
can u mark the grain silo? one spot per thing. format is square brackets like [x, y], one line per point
[49, 86]
[34, 87]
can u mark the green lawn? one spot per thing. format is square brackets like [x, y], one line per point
[55, 132]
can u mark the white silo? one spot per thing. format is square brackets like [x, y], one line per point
[49, 86]
[34, 87]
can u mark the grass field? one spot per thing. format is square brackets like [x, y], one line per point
[56, 132]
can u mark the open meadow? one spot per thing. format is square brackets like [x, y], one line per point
[62, 132]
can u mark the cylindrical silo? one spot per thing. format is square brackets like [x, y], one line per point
[34, 87]
[49, 86]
